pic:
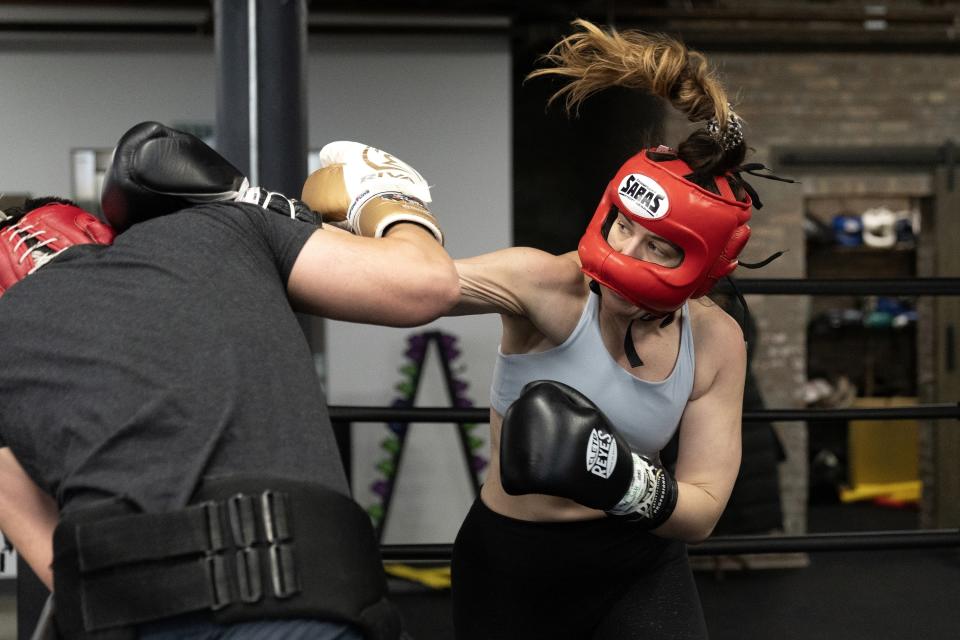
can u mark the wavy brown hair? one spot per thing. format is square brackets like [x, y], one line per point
[593, 59]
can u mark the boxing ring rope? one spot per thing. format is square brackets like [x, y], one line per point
[733, 545]
[738, 545]
[838, 287]
[723, 545]
[947, 410]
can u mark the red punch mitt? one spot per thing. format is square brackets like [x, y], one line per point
[30, 239]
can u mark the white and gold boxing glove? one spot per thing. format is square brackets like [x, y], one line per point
[366, 190]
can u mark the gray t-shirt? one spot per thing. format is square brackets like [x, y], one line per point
[139, 368]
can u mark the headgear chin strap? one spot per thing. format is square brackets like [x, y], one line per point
[710, 229]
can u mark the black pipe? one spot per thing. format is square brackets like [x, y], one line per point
[231, 49]
[735, 545]
[282, 89]
[261, 90]
[917, 158]
[482, 415]
[832, 287]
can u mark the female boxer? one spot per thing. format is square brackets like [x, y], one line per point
[575, 537]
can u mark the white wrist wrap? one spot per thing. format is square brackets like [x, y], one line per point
[646, 493]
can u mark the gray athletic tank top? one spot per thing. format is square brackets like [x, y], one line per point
[645, 413]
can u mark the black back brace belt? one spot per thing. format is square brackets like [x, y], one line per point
[244, 549]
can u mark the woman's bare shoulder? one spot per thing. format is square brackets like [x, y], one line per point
[718, 344]
[715, 332]
[543, 264]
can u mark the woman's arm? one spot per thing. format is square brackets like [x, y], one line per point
[28, 517]
[512, 281]
[538, 295]
[709, 454]
[517, 281]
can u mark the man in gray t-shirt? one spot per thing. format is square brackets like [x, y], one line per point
[138, 369]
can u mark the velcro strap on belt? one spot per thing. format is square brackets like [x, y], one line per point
[290, 550]
[106, 543]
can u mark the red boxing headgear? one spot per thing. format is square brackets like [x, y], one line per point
[29, 241]
[711, 230]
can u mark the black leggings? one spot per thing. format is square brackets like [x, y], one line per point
[604, 579]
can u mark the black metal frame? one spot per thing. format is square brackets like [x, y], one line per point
[342, 418]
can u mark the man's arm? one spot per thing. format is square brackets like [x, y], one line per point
[402, 279]
[28, 517]
[391, 269]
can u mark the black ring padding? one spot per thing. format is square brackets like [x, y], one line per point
[341, 413]
[838, 287]
[918, 157]
[480, 415]
[914, 412]
[416, 553]
[736, 545]
[841, 541]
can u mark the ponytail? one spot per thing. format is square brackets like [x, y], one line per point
[593, 59]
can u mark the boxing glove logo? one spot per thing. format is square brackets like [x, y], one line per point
[386, 165]
[601, 453]
[643, 196]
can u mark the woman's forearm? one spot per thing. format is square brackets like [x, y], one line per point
[695, 515]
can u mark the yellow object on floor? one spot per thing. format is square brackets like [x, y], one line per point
[883, 455]
[433, 577]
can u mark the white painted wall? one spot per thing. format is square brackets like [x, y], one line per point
[443, 105]
[60, 94]
[440, 103]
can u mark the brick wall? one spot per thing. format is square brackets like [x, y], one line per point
[823, 100]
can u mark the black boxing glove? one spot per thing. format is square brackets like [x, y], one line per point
[156, 170]
[555, 441]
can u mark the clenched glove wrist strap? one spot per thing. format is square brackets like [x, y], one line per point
[652, 495]
[279, 203]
